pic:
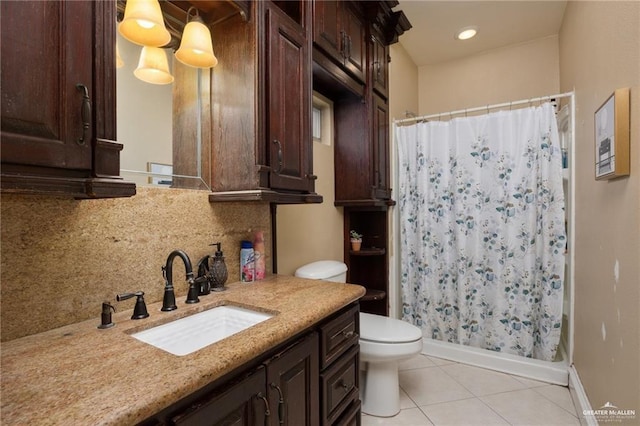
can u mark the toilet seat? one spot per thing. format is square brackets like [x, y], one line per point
[380, 329]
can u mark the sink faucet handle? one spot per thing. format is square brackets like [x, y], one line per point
[140, 308]
[194, 290]
[106, 321]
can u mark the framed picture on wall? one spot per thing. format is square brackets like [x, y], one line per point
[612, 136]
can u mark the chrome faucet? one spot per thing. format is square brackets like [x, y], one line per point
[169, 300]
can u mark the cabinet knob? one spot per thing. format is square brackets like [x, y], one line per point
[347, 387]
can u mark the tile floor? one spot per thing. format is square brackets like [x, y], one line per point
[439, 392]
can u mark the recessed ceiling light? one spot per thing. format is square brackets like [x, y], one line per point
[466, 33]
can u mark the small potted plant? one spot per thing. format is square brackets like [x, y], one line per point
[356, 240]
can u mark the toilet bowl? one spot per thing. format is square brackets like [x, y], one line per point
[384, 342]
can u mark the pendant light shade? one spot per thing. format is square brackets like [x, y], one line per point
[143, 23]
[119, 61]
[196, 49]
[153, 66]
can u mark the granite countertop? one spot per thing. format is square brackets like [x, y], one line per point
[81, 375]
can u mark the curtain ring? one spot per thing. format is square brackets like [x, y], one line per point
[510, 105]
[450, 115]
[487, 109]
[465, 112]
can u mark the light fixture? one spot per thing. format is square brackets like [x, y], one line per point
[153, 66]
[196, 49]
[143, 23]
[466, 33]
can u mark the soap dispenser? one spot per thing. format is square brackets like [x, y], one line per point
[218, 270]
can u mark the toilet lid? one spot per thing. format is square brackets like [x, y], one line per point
[377, 328]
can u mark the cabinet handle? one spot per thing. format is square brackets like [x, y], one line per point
[85, 112]
[267, 413]
[311, 177]
[277, 142]
[280, 403]
[343, 45]
[347, 334]
[348, 46]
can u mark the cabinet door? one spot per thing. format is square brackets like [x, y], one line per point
[327, 31]
[380, 129]
[288, 79]
[47, 49]
[379, 66]
[243, 403]
[355, 49]
[293, 382]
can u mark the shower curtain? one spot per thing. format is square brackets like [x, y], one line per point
[482, 230]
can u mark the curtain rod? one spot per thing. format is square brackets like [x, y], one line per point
[485, 108]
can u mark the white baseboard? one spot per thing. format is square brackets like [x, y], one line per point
[579, 397]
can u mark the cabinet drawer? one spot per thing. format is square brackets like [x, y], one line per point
[338, 335]
[340, 385]
[352, 415]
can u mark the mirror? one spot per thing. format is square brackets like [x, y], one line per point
[162, 127]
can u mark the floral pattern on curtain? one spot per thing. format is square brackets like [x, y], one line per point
[483, 230]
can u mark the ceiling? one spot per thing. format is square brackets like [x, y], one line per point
[500, 23]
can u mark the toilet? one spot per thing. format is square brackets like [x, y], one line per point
[384, 342]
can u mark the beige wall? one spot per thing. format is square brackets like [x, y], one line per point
[62, 258]
[600, 52]
[307, 233]
[515, 72]
[403, 84]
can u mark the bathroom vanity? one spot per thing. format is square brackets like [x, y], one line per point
[298, 367]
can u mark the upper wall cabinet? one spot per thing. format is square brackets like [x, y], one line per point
[58, 100]
[361, 108]
[379, 64]
[339, 31]
[261, 106]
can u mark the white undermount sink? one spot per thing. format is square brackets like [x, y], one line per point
[189, 334]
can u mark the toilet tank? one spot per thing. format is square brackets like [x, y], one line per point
[329, 270]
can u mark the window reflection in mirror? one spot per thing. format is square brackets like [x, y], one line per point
[161, 126]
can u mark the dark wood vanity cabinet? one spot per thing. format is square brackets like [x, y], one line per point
[261, 106]
[58, 99]
[292, 384]
[242, 402]
[310, 381]
[339, 367]
[283, 390]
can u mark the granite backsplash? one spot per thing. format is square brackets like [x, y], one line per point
[61, 258]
